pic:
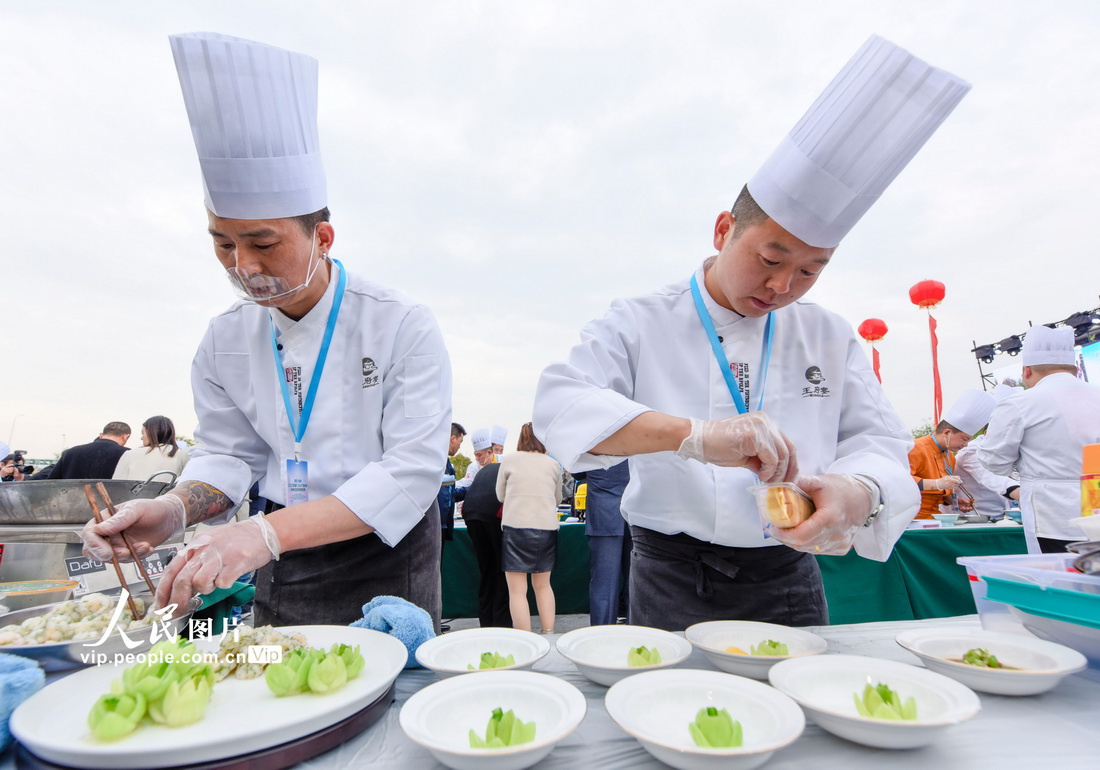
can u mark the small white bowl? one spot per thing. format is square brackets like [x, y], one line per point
[656, 707]
[440, 717]
[454, 652]
[823, 686]
[713, 637]
[600, 652]
[945, 519]
[1042, 665]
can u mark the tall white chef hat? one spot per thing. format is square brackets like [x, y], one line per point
[859, 134]
[5, 450]
[498, 434]
[1004, 390]
[970, 412]
[1043, 345]
[253, 113]
[480, 439]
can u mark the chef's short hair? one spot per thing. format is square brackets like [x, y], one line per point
[746, 212]
[309, 222]
[944, 425]
[116, 428]
[1044, 369]
[457, 430]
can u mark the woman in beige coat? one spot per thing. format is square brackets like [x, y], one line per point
[160, 453]
[529, 486]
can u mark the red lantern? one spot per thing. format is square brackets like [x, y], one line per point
[928, 294]
[872, 330]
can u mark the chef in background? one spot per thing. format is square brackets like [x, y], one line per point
[992, 492]
[1042, 432]
[668, 379]
[331, 391]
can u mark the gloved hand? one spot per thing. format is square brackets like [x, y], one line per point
[843, 505]
[946, 484]
[750, 441]
[148, 523]
[216, 558]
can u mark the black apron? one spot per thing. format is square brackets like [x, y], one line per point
[329, 584]
[677, 581]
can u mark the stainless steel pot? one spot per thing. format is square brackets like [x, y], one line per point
[63, 501]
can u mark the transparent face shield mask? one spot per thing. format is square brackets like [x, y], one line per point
[271, 290]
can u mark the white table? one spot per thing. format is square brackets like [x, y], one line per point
[1059, 729]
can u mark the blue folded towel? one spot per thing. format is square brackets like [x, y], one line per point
[20, 678]
[397, 617]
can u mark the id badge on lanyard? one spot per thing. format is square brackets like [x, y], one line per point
[297, 469]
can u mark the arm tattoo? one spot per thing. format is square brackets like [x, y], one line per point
[202, 500]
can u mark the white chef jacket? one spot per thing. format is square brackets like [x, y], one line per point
[988, 488]
[651, 353]
[471, 472]
[378, 433]
[1043, 432]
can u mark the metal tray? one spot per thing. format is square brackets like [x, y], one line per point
[79, 652]
[63, 501]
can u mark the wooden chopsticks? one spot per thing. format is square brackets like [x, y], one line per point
[126, 539]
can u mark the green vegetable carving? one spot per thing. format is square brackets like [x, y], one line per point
[770, 647]
[982, 658]
[115, 716]
[314, 670]
[504, 729]
[183, 704]
[493, 660]
[715, 729]
[880, 702]
[643, 656]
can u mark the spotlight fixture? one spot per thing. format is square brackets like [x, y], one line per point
[985, 353]
[1011, 345]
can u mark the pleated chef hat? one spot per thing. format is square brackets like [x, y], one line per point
[1043, 345]
[253, 113]
[480, 439]
[970, 412]
[1004, 390]
[498, 434]
[855, 139]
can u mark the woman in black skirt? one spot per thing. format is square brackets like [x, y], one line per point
[529, 485]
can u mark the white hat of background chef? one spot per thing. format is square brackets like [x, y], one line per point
[1004, 390]
[498, 434]
[480, 439]
[1043, 345]
[253, 113]
[859, 134]
[970, 412]
[5, 450]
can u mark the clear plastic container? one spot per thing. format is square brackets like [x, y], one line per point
[782, 504]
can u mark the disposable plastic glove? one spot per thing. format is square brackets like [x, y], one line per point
[946, 484]
[216, 558]
[750, 441]
[843, 505]
[148, 523]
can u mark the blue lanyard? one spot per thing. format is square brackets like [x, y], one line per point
[946, 467]
[311, 395]
[720, 355]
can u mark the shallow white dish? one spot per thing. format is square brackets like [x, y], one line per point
[600, 652]
[713, 637]
[656, 707]
[825, 685]
[243, 715]
[440, 717]
[454, 652]
[945, 519]
[1042, 664]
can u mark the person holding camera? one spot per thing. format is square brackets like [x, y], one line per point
[13, 468]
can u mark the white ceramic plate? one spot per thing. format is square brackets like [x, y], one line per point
[454, 652]
[440, 717]
[824, 685]
[656, 707]
[1038, 665]
[600, 652]
[243, 715]
[713, 637]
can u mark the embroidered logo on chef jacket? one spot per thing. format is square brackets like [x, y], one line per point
[370, 379]
[743, 379]
[293, 376]
[816, 379]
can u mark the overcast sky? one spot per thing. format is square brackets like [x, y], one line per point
[517, 166]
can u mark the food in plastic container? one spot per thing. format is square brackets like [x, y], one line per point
[783, 504]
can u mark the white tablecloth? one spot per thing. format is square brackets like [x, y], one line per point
[1059, 729]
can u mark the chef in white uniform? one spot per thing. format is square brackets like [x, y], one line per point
[649, 380]
[331, 391]
[498, 434]
[992, 492]
[1042, 432]
[484, 455]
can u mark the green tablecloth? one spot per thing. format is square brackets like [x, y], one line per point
[919, 580]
